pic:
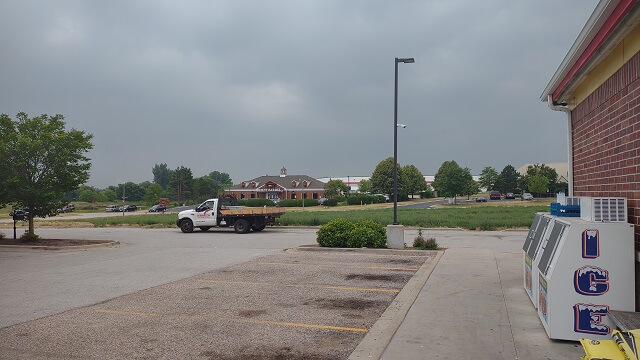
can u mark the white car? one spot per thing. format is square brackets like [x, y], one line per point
[527, 196]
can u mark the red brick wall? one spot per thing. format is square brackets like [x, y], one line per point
[606, 141]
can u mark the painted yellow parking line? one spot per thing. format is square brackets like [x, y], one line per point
[266, 322]
[351, 267]
[301, 285]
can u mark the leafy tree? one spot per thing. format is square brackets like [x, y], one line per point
[131, 190]
[382, 178]
[365, 186]
[161, 175]
[413, 180]
[335, 188]
[450, 180]
[153, 194]
[89, 194]
[507, 180]
[548, 172]
[181, 183]
[221, 177]
[39, 162]
[488, 178]
[471, 186]
[538, 184]
[206, 188]
[108, 194]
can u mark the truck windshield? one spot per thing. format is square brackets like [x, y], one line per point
[207, 205]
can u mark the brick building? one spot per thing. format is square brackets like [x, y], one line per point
[598, 86]
[296, 187]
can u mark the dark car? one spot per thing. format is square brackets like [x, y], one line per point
[19, 214]
[158, 208]
[509, 196]
[495, 195]
[130, 208]
[481, 199]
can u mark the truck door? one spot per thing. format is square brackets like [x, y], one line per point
[206, 214]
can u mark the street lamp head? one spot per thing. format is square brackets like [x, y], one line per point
[406, 60]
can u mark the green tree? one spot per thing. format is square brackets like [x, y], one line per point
[553, 185]
[382, 178]
[488, 178]
[471, 186]
[221, 177]
[365, 186]
[413, 180]
[507, 180]
[206, 188]
[181, 183]
[40, 161]
[450, 180]
[89, 194]
[131, 190]
[153, 194]
[161, 175]
[108, 194]
[538, 184]
[335, 188]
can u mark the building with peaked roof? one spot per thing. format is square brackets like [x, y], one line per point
[598, 86]
[276, 188]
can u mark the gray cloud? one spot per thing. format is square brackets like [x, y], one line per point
[247, 87]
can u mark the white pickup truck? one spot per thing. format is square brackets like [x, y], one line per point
[223, 212]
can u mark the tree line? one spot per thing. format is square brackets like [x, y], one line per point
[179, 185]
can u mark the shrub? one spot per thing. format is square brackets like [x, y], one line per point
[428, 194]
[419, 242]
[298, 203]
[377, 235]
[26, 237]
[241, 202]
[358, 237]
[364, 199]
[331, 202]
[335, 233]
[259, 202]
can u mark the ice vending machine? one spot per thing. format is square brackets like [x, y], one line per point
[586, 268]
[531, 253]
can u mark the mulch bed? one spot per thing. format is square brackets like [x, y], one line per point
[52, 242]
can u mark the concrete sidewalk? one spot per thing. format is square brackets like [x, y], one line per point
[473, 306]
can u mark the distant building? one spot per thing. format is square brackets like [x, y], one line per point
[296, 187]
[354, 181]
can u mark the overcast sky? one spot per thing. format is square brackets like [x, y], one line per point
[247, 87]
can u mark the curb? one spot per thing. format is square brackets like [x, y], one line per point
[407, 252]
[110, 243]
[379, 336]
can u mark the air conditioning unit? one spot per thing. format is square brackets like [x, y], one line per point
[603, 209]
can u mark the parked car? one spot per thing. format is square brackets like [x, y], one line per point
[509, 195]
[495, 195]
[111, 208]
[481, 199]
[322, 200]
[19, 214]
[158, 208]
[526, 196]
[130, 208]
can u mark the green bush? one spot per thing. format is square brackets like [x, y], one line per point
[298, 203]
[343, 233]
[331, 202]
[241, 202]
[375, 235]
[335, 233]
[419, 242]
[26, 237]
[364, 199]
[428, 194]
[259, 202]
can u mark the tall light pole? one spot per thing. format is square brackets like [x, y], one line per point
[395, 140]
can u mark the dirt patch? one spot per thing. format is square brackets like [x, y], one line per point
[251, 313]
[348, 303]
[53, 242]
[370, 277]
[284, 353]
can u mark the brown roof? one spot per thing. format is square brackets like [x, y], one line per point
[289, 183]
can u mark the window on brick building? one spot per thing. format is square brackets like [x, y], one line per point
[315, 196]
[242, 196]
[293, 196]
[304, 195]
[253, 196]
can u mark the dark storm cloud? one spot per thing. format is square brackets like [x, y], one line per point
[247, 87]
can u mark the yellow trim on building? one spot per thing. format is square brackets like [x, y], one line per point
[620, 55]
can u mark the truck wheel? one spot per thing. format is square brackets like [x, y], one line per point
[241, 226]
[186, 226]
[259, 227]
[205, 228]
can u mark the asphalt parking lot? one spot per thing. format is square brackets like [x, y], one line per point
[289, 305]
